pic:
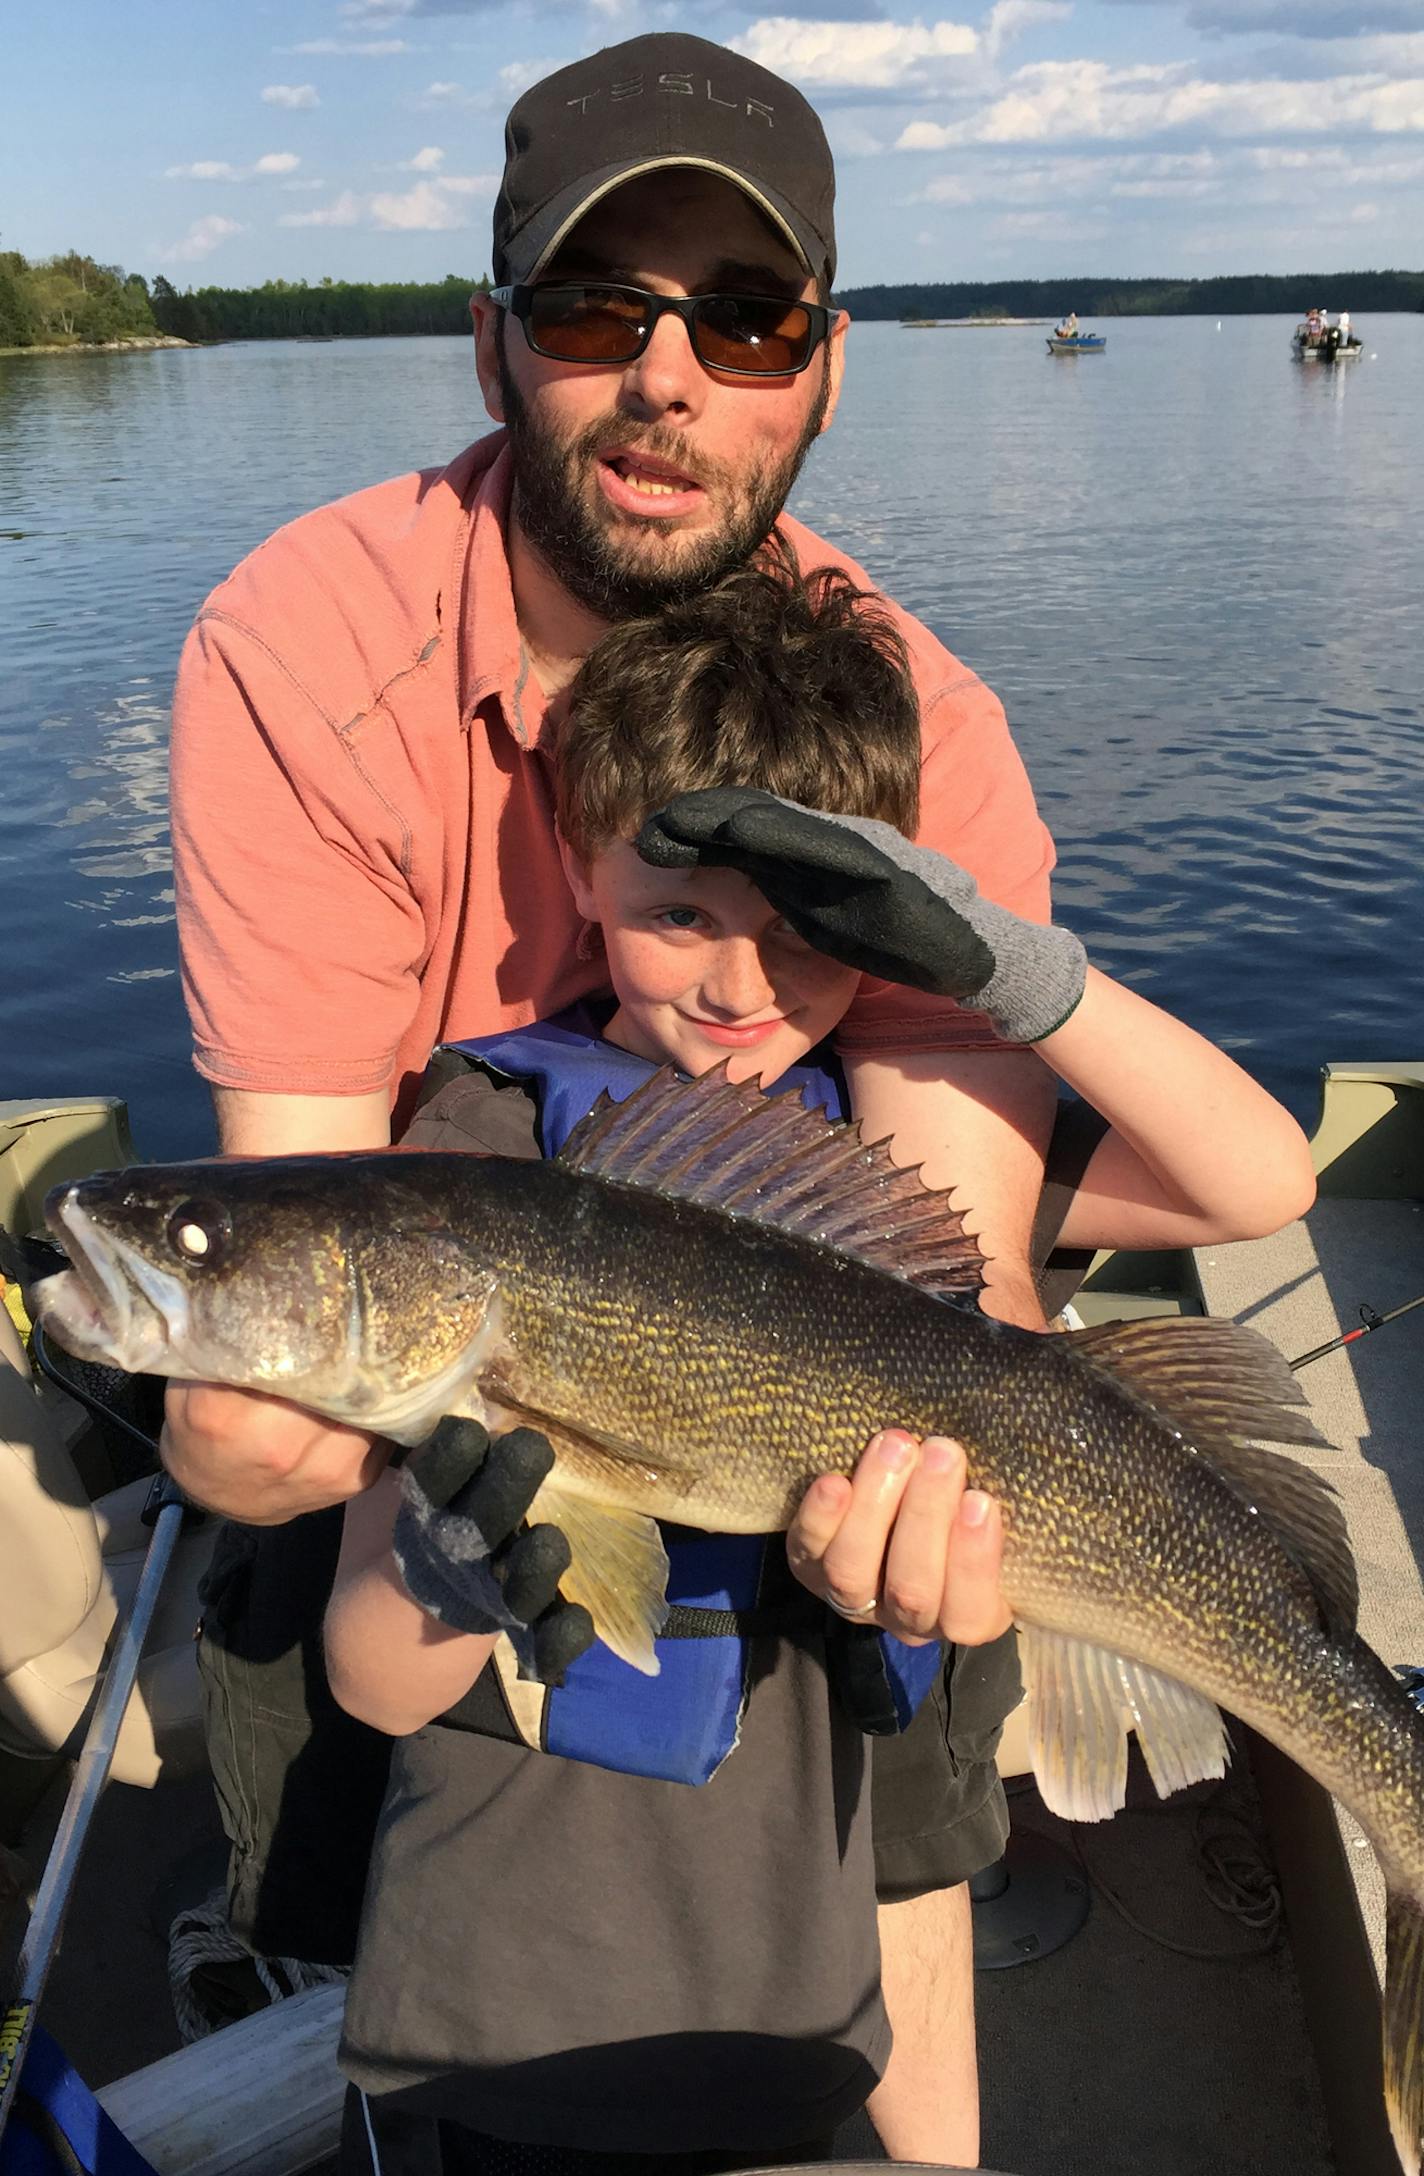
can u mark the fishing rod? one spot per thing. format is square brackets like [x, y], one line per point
[164, 1513]
[1369, 1320]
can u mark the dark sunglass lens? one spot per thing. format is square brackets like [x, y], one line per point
[752, 333]
[587, 324]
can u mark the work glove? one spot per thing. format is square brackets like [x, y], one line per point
[857, 889]
[467, 1556]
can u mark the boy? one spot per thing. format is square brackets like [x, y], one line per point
[615, 1966]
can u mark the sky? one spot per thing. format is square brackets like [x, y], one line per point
[226, 144]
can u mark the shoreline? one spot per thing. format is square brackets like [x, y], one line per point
[140, 343]
[962, 324]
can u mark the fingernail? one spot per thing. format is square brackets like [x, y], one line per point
[941, 1455]
[896, 1452]
[974, 1510]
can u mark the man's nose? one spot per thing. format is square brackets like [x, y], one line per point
[667, 376]
[739, 985]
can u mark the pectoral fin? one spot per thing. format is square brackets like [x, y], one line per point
[619, 1570]
[1083, 1700]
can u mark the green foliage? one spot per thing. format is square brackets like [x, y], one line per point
[328, 310]
[70, 300]
[1259, 294]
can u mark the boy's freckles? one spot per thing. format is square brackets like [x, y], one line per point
[705, 970]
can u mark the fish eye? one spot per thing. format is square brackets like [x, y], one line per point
[200, 1232]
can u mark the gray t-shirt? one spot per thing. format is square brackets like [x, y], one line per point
[563, 1955]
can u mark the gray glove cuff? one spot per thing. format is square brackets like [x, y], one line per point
[1039, 971]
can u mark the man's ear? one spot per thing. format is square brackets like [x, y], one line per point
[485, 315]
[577, 873]
[840, 326]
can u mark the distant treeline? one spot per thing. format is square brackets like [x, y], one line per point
[329, 309]
[70, 301]
[1258, 294]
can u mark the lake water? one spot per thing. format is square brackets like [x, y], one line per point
[1191, 568]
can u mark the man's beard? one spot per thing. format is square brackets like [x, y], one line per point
[600, 568]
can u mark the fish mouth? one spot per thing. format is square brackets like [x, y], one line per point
[111, 1304]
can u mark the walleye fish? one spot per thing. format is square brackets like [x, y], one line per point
[711, 1297]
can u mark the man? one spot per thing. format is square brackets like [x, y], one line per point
[362, 809]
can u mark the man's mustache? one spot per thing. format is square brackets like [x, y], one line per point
[658, 442]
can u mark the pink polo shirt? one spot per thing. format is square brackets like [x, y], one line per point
[363, 814]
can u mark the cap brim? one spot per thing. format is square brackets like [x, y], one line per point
[528, 252]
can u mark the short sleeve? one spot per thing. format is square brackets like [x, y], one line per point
[299, 936]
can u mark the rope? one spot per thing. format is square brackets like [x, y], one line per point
[212, 1978]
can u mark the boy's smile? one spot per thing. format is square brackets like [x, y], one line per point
[705, 969]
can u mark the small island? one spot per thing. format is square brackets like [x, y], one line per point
[72, 304]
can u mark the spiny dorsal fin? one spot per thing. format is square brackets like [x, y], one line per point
[728, 1146]
[1225, 1386]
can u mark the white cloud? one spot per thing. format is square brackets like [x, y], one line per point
[432, 207]
[290, 188]
[517, 75]
[203, 170]
[372, 48]
[425, 161]
[345, 211]
[437, 206]
[271, 162]
[1066, 101]
[875, 56]
[1050, 181]
[201, 239]
[295, 97]
[1009, 19]
[439, 94]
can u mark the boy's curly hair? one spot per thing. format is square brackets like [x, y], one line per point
[798, 684]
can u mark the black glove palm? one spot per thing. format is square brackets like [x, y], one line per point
[468, 1558]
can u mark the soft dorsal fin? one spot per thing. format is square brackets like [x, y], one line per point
[728, 1146]
[1223, 1386]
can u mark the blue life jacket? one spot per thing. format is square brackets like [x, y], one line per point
[723, 1589]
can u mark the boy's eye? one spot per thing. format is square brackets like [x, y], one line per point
[681, 917]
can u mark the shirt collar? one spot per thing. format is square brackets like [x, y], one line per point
[493, 659]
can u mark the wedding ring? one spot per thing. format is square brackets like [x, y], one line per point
[866, 1609]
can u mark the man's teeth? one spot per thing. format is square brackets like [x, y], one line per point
[656, 487]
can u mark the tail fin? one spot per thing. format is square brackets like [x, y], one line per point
[1404, 2026]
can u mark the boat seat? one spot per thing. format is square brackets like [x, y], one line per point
[68, 1567]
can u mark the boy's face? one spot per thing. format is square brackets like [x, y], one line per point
[704, 969]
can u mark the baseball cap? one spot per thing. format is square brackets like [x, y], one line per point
[666, 99]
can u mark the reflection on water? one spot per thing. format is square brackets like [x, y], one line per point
[1190, 567]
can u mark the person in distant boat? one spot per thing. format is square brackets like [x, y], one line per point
[1312, 324]
[1344, 328]
[725, 1932]
[1068, 330]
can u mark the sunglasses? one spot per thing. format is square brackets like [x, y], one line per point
[748, 336]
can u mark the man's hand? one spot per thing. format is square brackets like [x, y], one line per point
[904, 1545]
[860, 891]
[467, 1557]
[259, 1459]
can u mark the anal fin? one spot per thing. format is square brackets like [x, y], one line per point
[618, 1571]
[1083, 1700]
